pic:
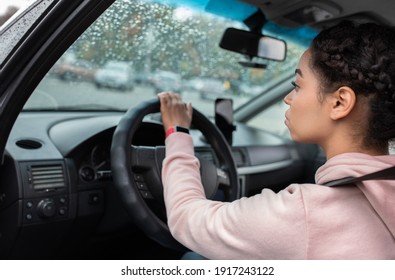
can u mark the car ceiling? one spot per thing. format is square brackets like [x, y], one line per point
[320, 14]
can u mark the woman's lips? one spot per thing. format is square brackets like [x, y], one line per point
[286, 118]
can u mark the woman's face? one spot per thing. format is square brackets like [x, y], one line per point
[307, 117]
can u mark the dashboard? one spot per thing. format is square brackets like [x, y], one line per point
[57, 191]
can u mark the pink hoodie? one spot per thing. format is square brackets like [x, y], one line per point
[303, 221]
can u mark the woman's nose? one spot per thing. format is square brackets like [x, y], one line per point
[288, 98]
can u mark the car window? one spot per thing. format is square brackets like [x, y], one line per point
[272, 120]
[167, 48]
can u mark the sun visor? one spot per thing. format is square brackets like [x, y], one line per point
[233, 9]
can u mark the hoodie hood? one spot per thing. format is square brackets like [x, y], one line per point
[380, 193]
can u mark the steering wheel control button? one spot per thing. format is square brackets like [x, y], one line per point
[142, 186]
[146, 194]
[29, 204]
[138, 177]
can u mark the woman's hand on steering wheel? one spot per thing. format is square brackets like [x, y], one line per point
[174, 111]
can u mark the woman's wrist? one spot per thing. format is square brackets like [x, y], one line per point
[176, 128]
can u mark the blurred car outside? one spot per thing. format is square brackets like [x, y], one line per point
[251, 90]
[192, 85]
[115, 74]
[142, 78]
[71, 68]
[165, 81]
[213, 88]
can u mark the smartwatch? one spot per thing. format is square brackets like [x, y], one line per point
[176, 129]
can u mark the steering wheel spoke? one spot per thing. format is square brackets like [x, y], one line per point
[146, 166]
[146, 157]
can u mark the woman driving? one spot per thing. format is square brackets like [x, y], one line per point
[344, 101]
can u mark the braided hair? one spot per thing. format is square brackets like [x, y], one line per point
[361, 57]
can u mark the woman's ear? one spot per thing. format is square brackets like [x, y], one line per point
[342, 102]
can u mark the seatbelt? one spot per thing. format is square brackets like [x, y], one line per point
[385, 174]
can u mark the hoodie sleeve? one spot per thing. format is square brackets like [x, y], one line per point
[264, 226]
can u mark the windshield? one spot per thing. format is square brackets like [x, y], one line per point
[162, 48]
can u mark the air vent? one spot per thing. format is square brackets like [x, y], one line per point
[47, 177]
[28, 144]
[238, 157]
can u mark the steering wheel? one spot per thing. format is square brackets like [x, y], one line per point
[136, 171]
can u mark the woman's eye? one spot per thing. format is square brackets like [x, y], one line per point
[294, 85]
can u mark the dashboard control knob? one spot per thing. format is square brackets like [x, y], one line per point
[87, 174]
[46, 208]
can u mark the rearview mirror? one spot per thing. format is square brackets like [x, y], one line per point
[253, 44]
